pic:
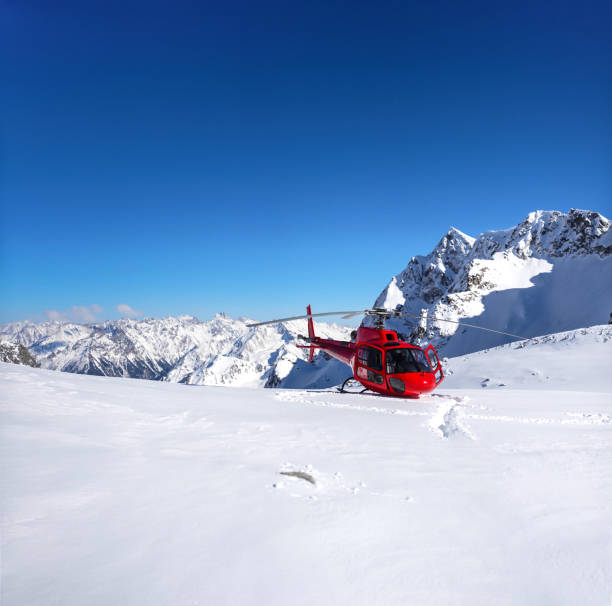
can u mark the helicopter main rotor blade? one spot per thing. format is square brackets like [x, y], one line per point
[388, 313]
[499, 332]
[346, 314]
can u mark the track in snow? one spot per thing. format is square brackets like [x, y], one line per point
[448, 418]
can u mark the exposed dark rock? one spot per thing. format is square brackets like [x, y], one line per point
[15, 353]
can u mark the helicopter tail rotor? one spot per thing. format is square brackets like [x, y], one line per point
[311, 332]
[311, 335]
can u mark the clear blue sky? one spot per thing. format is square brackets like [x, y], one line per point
[193, 157]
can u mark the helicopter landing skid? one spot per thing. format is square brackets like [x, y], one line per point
[351, 385]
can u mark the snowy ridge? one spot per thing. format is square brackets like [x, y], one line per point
[222, 351]
[548, 274]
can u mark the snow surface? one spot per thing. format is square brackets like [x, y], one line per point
[119, 491]
[570, 360]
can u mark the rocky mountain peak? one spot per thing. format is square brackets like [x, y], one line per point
[543, 275]
[550, 233]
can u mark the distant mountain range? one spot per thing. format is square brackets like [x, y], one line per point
[550, 273]
[222, 351]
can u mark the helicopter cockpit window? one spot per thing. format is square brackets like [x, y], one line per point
[370, 357]
[404, 359]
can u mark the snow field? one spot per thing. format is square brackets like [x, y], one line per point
[137, 492]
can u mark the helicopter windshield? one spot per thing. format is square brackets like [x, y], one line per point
[405, 359]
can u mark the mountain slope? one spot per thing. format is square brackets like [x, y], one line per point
[550, 273]
[575, 360]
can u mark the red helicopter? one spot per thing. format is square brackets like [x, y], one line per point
[381, 362]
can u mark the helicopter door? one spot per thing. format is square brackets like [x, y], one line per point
[369, 366]
[434, 361]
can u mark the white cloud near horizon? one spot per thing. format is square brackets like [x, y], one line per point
[82, 314]
[126, 310]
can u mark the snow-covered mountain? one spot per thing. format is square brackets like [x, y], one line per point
[550, 273]
[183, 349]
